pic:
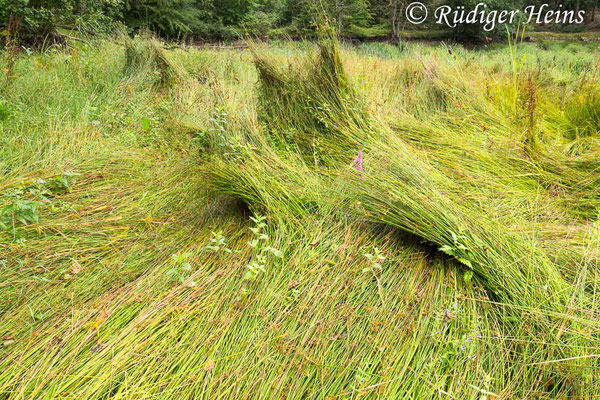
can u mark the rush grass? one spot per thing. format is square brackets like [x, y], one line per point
[478, 188]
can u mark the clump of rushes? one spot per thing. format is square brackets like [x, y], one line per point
[266, 183]
[581, 113]
[311, 104]
[400, 189]
[406, 193]
[575, 177]
[145, 55]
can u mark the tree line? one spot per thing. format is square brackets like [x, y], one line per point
[231, 19]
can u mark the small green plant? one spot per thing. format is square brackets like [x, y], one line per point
[254, 268]
[376, 260]
[218, 243]
[258, 265]
[375, 267]
[456, 338]
[179, 273]
[219, 122]
[258, 231]
[458, 250]
[145, 124]
[230, 145]
[21, 205]
[58, 184]
[18, 210]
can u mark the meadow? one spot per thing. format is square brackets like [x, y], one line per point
[300, 220]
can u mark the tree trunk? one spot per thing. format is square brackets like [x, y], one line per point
[394, 10]
[392, 17]
[338, 11]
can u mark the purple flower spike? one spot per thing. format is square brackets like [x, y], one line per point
[358, 163]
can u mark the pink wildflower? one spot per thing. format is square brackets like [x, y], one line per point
[358, 163]
[428, 68]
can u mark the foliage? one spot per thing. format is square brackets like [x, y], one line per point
[41, 18]
[18, 210]
[218, 243]
[170, 18]
[258, 264]
[179, 272]
[21, 205]
[230, 19]
[376, 259]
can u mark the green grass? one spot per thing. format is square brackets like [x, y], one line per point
[462, 262]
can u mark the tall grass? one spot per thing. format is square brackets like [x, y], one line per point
[455, 261]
